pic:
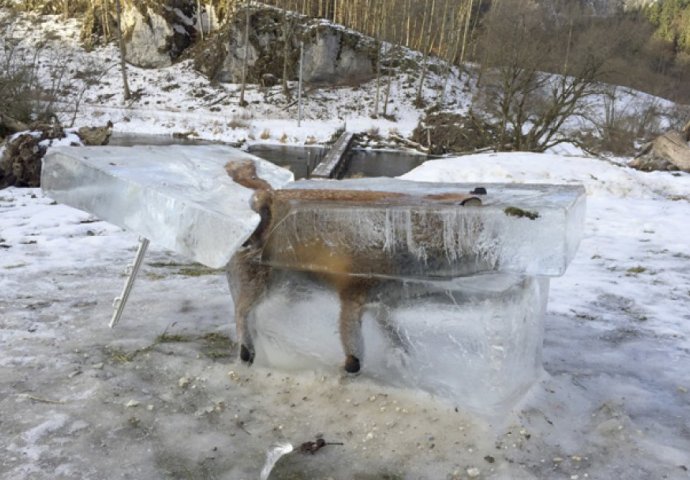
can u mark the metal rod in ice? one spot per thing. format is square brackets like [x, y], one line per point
[121, 301]
[272, 456]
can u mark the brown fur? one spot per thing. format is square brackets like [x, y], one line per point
[249, 278]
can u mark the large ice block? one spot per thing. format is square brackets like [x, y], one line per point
[474, 340]
[519, 228]
[179, 197]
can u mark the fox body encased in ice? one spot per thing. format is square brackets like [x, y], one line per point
[249, 275]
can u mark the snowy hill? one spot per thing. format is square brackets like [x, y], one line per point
[178, 100]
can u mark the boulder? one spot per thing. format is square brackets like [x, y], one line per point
[669, 151]
[148, 38]
[334, 56]
[95, 135]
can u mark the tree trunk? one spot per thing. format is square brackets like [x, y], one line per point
[288, 27]
[243, 102]
[466, 30]
[121, 42]
[105, 9]
[199, 23]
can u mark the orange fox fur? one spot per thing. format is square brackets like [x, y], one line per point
[249, 278]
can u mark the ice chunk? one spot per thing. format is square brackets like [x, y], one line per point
[474, 340]
[179, 197]
[522, 229]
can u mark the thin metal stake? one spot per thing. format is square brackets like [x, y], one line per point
[120, 302]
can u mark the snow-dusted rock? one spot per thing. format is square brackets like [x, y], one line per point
[148, 38]
[332, 55]
[335, 56]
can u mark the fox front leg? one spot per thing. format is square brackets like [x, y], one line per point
[248, 283]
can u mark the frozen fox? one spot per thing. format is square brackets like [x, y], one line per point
[249, 277]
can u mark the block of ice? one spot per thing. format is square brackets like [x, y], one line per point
[474, 340]
[519, 228]
[179, 197]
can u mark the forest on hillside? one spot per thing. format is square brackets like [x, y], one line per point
[647, 47]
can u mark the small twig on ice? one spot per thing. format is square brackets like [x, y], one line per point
[240, 424]
[42, 400]
[313, 447]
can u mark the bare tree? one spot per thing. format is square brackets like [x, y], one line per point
[121, 42]
[527, 107]
[427, 45]
[245, 58]
[199, 23]
[289, 23]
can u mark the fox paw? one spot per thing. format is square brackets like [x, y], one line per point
[246, 354]
[352, 364]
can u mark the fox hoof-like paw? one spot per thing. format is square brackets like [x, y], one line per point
[352, 364]
[246, 355]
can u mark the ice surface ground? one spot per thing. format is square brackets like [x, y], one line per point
[178, 197]
[613, 403]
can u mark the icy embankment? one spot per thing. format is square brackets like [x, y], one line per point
[162, 395]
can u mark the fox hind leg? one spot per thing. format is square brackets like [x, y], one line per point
[353, 297]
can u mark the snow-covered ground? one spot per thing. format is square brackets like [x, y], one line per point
[162, 395]
[179, 100]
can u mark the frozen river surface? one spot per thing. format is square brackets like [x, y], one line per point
[163, 396]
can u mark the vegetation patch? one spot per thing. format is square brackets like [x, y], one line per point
[187, 269]
[520, 213]
[217, 346]
[447, 132]
[198, 271]
[172, 338]
[634, 271]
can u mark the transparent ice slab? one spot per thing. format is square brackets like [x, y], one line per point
[519, 228]
[179, 197]
[476, 341]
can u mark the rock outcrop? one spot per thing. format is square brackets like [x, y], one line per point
[332, 55]
[20, 165]
[335, 56]
[148, 38]
[156, 33]
[22, 158]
